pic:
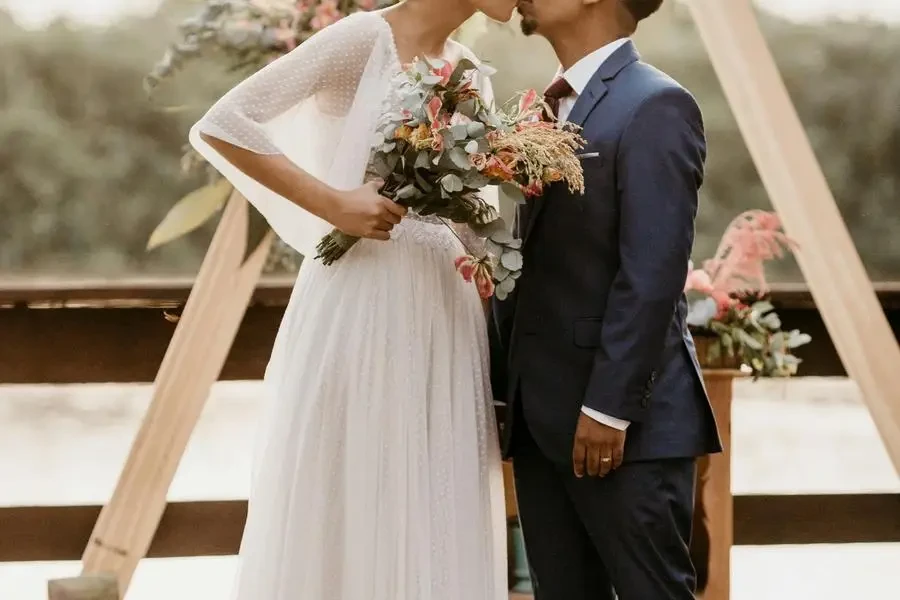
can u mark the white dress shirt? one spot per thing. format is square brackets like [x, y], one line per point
[578, 76]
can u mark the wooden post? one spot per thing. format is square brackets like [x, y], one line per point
[192, 363]
[93, 587]
[799, 192]
[714, 490]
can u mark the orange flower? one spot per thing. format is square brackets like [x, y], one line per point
[404, 132]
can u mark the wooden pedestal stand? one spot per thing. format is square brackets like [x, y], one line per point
[714, 512]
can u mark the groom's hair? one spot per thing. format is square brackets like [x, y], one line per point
[641, 9]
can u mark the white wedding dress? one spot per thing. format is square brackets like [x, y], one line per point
[379, 474]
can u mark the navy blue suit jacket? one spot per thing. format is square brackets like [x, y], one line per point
[598, 315]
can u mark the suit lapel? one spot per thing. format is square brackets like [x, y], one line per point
[588, 100]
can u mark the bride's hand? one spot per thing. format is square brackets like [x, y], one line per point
[365, 213]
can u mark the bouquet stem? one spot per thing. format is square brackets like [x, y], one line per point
[337, 243]
[334, 245]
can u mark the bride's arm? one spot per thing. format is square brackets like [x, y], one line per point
[330, 63]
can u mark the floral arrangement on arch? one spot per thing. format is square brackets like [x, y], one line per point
[247, 34]
[733, 322]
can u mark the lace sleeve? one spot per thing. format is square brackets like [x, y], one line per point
[327, 66]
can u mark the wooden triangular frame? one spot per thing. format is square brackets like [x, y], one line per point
[795, 183]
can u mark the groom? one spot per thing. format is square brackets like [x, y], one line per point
[606, 405]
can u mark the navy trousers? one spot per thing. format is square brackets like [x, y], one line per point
[624, 536]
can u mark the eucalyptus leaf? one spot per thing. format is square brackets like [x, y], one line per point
[507, 285]
[460, 132]
[407, 191]
[468, 108]
[513, 193]
[460, 158]
[476, 129]
[762, 307]
[500, 294]
[451, 183]
[797, 339]
[423, 160]
[472, 146]
[512, 260]
[749, 341]
[701, 312]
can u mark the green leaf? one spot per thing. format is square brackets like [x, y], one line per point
[423, 160]
[771, 322]
[459, 132]
[451, 183]
[797, 339]
[513, 193]
[460, 158]
[460, 70]
[507, 285]
[407, 191]
[476, 129]
[512, 260]
[502, 237]
[748, 340]
[190, 212]
[762, 307]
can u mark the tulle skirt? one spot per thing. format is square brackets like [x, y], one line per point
[378, 475]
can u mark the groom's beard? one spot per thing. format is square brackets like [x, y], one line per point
[529, 24]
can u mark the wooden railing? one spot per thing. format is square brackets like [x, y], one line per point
[93, 332]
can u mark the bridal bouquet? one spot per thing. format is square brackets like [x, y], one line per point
[446, 143]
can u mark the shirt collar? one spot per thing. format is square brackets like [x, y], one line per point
[580, 74]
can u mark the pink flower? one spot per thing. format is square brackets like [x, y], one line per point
[478, 160]
[466, 266]
[698, 280]
[366, 4]
[433, 111]
[534, 188]
[444, 73]
[527, 101]
[327, 12]
[724, 303]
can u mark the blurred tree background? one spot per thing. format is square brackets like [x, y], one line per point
[89, 165]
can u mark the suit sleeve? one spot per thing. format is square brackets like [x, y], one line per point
[659, 170]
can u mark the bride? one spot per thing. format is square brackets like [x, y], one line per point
[379, 474]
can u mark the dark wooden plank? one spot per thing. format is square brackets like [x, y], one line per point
[813, 519]
[125, 340]
[213, 528]
[99, 345]
[94, 345]
[271, 290]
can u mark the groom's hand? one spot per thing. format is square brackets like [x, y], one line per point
[598, 448]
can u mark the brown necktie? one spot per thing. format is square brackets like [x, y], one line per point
[558, 90]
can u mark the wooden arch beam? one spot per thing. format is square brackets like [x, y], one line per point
[799, 192]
